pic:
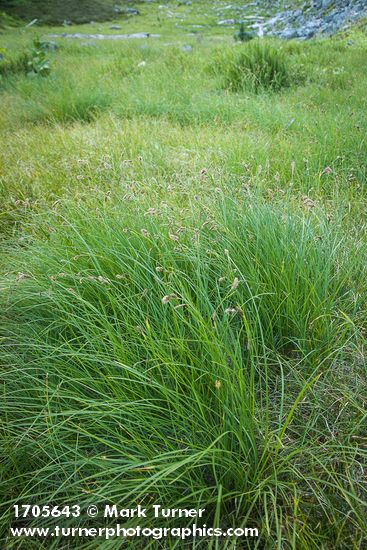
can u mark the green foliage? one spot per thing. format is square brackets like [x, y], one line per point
[7, 21]
[33, 62]
[257, 67]
[12, 65]
[242, 35]
[184, 365]
[39, 64]
[183, 290]
[52, 104]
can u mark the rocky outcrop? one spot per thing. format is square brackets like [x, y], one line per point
[320, 17]
[316, 17]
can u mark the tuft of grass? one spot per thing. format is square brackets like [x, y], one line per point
[257, 67]
[48, 102]
[13, 64]
[153, 362]
[7, 21]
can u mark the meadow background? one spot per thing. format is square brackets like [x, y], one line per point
[183, 286]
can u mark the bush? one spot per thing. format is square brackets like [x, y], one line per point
[256, 67]
[39, 65]
[243, 35]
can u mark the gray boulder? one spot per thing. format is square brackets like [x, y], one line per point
[225, 22]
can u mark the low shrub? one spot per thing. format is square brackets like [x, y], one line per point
[244, 35]
[39, 64]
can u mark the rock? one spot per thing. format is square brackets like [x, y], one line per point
[321, 16]
[49, 45]
[224, 22]
[115, 27]
[131, 11]
[33, 22]
[126, 11]
[78, 35]
[289, 33]
[187, 48]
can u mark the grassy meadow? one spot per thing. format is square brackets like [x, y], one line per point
[183, 287]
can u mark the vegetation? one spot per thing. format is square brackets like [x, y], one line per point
[243, 35]
[257, 67]
[15, 65]
[182, 290]
[7, 20]
[51, 12]
[32, 62]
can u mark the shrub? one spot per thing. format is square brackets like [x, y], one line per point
[257, 67]
[242, 35]
[39, 64]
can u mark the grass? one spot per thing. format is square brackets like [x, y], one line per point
[257, 67]
[143, 332]
[182, 282]
[15, 65]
